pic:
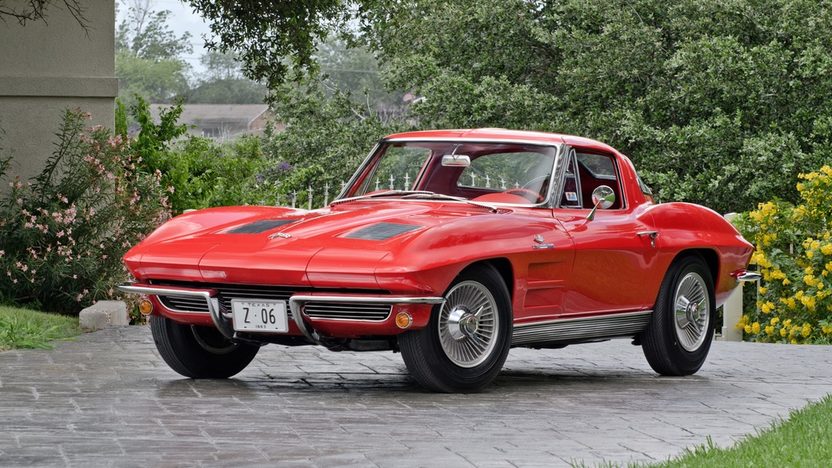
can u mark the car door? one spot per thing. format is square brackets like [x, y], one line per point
[614, 249]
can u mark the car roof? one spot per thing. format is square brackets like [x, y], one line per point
[505, 134]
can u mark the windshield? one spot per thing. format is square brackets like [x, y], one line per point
[491, 173]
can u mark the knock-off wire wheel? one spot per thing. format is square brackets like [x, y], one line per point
[692, 311]
[468, 324]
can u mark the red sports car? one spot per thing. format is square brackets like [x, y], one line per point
[451, 247]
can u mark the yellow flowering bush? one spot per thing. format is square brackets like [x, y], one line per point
[794, 255]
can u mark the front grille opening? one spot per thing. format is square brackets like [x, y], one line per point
[227, 292]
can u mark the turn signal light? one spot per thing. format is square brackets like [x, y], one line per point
[403, 320]
[145, 307]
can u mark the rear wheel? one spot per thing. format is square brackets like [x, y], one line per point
[468, 338]
[678, 338]
[199, 352]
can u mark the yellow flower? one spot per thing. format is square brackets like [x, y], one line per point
[783, 332]
[747, 328]
[809, 280]
[807, 330]
[827, 249]
[763, 290]
[810, 253]
[809, 301]
[793, 341]
[769, 330]
[755, 328]
[787, 323]
[775, 320]
[778, 274]
[786, 282]
[767, 307]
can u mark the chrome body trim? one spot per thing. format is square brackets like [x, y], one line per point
[207, 294]
[581, 328]
[297, 301]
[749, 276]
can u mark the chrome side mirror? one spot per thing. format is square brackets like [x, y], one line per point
[456, 160]
[602, 197]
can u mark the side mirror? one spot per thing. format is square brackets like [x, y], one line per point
[456, 160]
[602, 197]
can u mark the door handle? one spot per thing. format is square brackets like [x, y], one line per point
[651, 234]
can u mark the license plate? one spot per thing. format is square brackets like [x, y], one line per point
[260, 316]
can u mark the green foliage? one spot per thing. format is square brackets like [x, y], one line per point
[63, 233]
[203, 173]
[149, 54]
[269, 37]
[325, 139]
[718, 103]
[23, 328]
[227, 91]
[156, 81]
[794, 255]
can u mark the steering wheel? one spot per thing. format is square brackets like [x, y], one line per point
[526, 193]
[524, 190]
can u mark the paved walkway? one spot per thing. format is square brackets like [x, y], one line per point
[108, 399]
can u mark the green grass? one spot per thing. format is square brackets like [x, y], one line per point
[804, 439]
[24, 328]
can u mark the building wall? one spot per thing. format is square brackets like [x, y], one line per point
[48, 67]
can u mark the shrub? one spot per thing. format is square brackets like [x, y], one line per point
[794, 255]
[63, 233]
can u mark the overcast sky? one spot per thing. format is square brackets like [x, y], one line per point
[182, 20]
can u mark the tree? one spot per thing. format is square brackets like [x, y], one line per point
[149, 55]
[223, 82]
[719, 103]
[36, 10]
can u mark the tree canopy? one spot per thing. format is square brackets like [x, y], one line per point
[720, 103]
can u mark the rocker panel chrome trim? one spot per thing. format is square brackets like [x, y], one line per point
[575, 329]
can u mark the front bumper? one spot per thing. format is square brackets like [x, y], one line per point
[315, 329]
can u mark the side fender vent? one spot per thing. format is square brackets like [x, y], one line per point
[259, 226]
[382, 231]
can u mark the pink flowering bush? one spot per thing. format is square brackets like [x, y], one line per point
[62, 233]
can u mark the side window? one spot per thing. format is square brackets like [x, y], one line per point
[595, 170]
[571, 187]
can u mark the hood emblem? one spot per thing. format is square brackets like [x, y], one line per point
[280, 235]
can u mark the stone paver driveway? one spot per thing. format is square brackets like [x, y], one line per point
[108, 399]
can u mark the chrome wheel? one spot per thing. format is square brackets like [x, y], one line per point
[692, 311]
[468, 325]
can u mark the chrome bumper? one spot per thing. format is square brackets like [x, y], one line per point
[749, 276]
[296, 302]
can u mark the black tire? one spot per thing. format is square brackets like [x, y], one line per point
[661, 342]
[431, 366]
[199, 352]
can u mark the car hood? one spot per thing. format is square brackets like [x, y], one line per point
[341, 244]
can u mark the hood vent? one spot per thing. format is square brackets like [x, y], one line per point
[381, 231]
[259, 226]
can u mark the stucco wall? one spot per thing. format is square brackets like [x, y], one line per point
[46, 68]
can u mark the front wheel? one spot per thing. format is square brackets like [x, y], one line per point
[678, 338]
[468, 337]
[199, 352]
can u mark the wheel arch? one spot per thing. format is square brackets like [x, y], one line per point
[504, 268]
[710, 257]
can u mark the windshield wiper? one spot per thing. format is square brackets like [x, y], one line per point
[416, 194]
[442, 196]
[386, 193]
